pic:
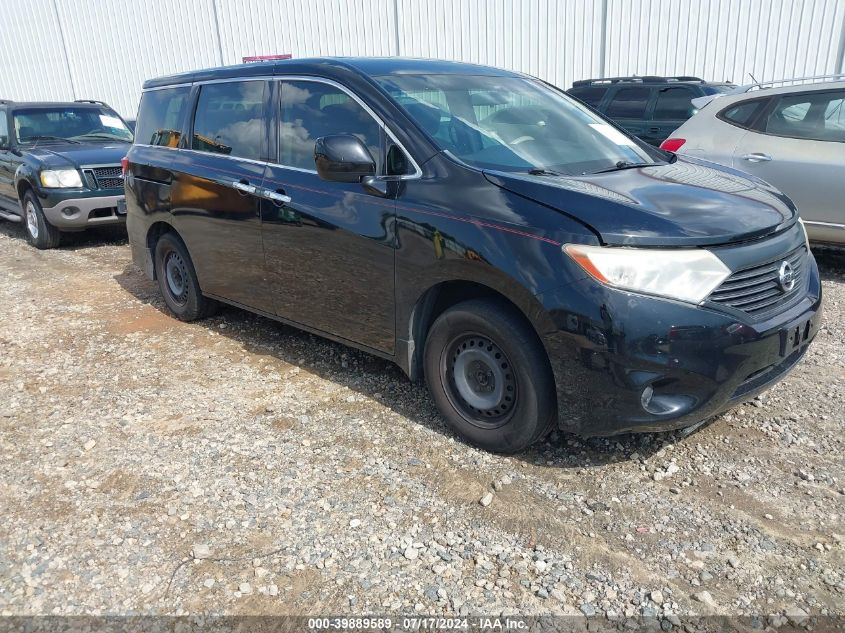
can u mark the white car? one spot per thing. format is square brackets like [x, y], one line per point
[792, 136]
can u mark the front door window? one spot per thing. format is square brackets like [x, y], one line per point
[310, 110]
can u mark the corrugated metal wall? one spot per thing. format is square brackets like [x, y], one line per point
[104, 49]
[725, 39]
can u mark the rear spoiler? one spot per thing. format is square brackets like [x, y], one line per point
[700, 102]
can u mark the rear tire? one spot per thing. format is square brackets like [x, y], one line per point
[489, 375]
[39, 232]
[178, 282]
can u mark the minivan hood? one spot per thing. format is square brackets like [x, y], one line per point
[684, 203]
[67, 154]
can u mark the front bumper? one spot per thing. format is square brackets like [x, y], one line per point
[627, 362]
[78, 212]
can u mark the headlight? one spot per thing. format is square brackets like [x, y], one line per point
[58, 178]
[687, 275]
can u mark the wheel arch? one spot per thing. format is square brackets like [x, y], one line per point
[154, 233]
[22, 186]
[438, 297]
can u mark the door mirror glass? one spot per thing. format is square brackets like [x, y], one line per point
[343, 158]
[4, 142]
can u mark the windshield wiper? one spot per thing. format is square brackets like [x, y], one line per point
[539, 171]
[624, 164]
[44, 137]
[104, 136]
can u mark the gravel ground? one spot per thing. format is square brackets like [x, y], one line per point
[239, 466]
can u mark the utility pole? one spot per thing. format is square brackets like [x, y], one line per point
[396, 27]
[217, 27]
[603, 48]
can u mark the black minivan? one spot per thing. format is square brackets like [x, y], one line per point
[535, 263]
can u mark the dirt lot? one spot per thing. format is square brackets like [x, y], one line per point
[239, 466]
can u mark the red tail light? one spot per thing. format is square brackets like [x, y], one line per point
[672, 144]
[124, 165]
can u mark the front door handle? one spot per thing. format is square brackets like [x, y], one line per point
[276, 196]
[654, 130]
[757, 157]
[243, 186]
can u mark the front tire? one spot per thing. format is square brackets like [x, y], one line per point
[489, 375]
[39, 232]
[178, 282]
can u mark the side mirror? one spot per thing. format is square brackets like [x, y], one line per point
[343, 158]
[4, 143]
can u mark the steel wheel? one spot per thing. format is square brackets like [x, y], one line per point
[480, 383]
[31, 219]
[177, 277]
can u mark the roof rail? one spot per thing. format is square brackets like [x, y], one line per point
[761, 85]
[6, 101]
[635, 79]
[103, 103]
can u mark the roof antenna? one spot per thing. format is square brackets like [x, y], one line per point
[754, 79]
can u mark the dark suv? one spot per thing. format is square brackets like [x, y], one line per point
[60, 167]
[478, 227]
[650, 108]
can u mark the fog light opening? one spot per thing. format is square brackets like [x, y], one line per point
[69, 212]
[646, 396]
[659, 398]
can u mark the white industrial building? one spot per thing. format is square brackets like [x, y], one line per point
[105, 49]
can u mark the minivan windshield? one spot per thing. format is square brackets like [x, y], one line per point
[69, 123]
[514, 124]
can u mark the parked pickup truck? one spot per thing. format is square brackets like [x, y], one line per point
[60, 167]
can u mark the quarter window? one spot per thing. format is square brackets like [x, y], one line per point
[229, 119]
[742, 114]
[311, 110]
[160, 116]
[673, 104]
[629, 103]
[834, 116]
[816, 116]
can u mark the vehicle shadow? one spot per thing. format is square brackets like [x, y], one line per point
[383, 381]
[831, 263]
[110, 235]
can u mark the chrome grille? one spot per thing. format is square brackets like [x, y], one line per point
[756, 290]
[110, 177]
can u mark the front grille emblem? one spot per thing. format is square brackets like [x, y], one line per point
[786, 276]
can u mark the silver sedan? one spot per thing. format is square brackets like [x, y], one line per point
[792, 136]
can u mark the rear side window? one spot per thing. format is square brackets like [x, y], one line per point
[229, 119]
[673, 104]
[742, 114]
[310, 110]
[591, 95]
[629, 103]
[815, 116]
[160, 116]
